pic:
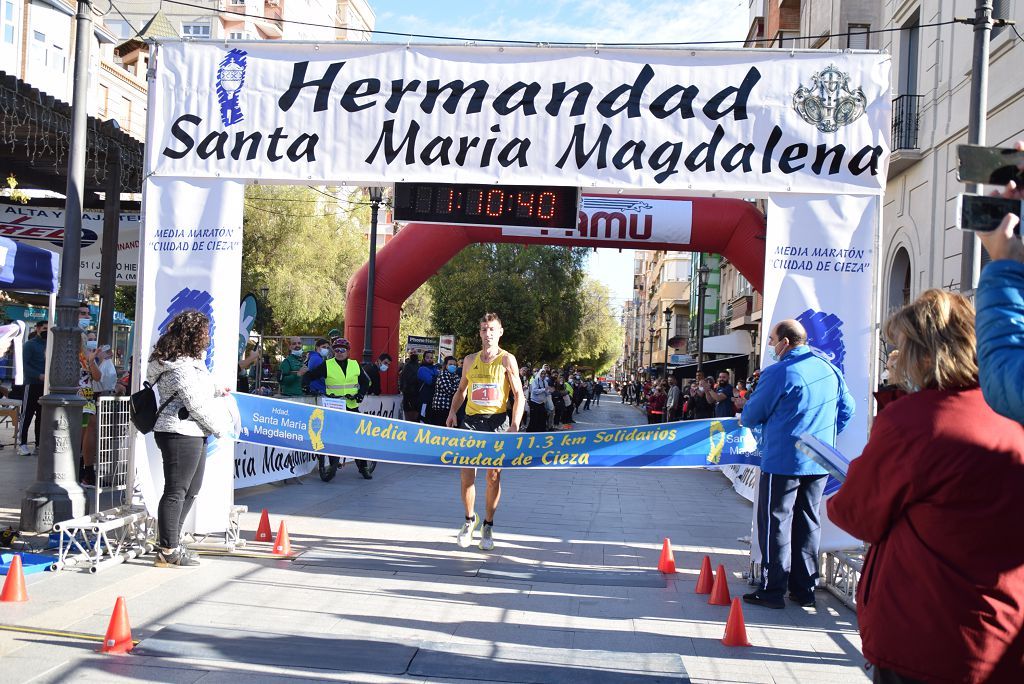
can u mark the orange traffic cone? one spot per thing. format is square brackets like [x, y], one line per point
[735, 629]
[14, 585]
[720, 590]
[119, 633]
[282, 546]
[263, 532]
[667, 562]
[706, 579]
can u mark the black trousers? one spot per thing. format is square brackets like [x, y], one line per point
[788, 530]
[360, 463]
[31, 408]
[184, 459]
[538, 418]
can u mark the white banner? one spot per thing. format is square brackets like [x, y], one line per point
[739, 120]
[256, 465]
[819, 269]
[192, 259]
[624, 219]
[44, 227]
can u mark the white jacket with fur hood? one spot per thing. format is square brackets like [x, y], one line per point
[198, 408]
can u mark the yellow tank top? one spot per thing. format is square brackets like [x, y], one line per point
[488, 388]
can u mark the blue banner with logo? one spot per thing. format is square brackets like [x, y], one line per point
[304, 427]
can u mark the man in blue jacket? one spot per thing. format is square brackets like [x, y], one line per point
[801, 392]
[34, 363]
[426, 374]
[1000, 318]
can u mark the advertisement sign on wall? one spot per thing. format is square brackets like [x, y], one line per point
[415, 344]
[44, 227]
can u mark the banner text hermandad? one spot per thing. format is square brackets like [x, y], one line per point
[746, 120]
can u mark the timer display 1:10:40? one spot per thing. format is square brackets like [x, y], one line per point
[497, 205]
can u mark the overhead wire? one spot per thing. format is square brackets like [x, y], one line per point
[510, 41]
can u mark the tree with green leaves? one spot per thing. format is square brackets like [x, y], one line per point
[416, 315]
[598, 342]
[534, 289]
[297, 246]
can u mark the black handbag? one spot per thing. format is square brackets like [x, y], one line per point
[144, 410]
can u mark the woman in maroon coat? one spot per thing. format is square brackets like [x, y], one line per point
[939, 495]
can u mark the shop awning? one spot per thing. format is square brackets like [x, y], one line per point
[733, 343]
[738, 364]
[24, 267]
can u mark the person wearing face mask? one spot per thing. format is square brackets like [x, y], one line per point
[347, 380]
[373, 371]
[539, 389]
[937, 494]
[321, 352]
[89, 374]
[426, 374]
[801, 392]
[288, 369]
[34, 362]
[445, 384]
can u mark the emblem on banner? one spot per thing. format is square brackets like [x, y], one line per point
[316, 440]
[230, 80]
[716, 436]
[829, 102]
[191, 300]
[825, 334]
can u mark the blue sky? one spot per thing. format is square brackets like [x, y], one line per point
[576, 21]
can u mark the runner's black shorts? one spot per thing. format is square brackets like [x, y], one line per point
[485, 422]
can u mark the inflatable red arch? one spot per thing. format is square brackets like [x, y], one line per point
[730, 227]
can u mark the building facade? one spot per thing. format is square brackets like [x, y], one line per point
[932, 68]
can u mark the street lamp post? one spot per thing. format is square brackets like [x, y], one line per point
[668, 322]
[650, 353]
[703, 273]
[376, 195]
[56, 496]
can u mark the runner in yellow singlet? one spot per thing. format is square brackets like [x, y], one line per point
[488, 378]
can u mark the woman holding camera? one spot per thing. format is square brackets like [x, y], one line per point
[937, 494]
[177, 370]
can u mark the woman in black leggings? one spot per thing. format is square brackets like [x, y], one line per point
[192, 413]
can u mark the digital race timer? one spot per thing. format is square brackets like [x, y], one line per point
[488, 205]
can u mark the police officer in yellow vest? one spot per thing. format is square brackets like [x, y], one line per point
[344, 377]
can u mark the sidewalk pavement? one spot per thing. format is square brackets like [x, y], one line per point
[382, 593]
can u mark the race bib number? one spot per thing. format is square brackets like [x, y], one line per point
[485, 394]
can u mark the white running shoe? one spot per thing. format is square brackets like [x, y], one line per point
[23, 450]
[465, 537]
[487, 538]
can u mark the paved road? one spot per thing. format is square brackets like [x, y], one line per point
[382, 593]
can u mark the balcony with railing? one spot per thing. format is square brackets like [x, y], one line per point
[906, 116]
[740, 313]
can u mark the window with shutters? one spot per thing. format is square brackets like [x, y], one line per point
[1000, 10]
[857, 36]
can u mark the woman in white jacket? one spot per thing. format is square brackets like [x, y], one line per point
[193, 412]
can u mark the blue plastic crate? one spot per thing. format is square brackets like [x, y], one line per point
[30, 562]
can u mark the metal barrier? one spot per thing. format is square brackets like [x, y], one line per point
[119, 528]
[113, 475]
[841, 570]
[839, 574]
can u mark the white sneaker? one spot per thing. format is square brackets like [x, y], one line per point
[23, 450]
[487, 538]
[465, 537]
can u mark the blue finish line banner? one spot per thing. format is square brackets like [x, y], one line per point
[333, 432]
